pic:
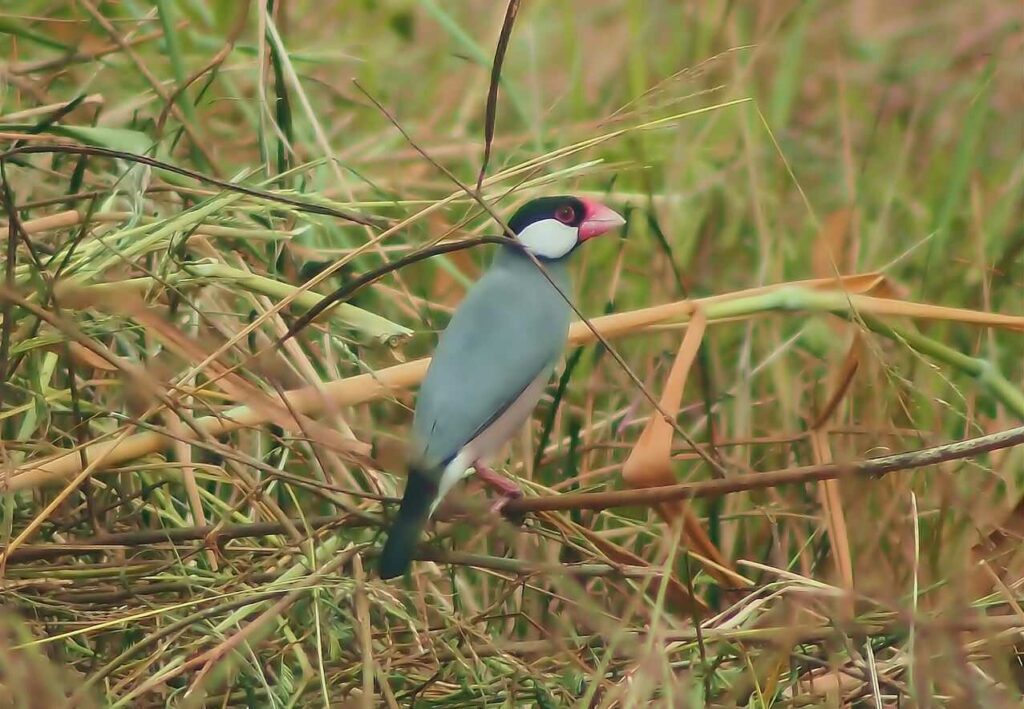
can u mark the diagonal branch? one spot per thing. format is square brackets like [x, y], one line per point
[756, 481]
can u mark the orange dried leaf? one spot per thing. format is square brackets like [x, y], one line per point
[828, 254]
[1001, 551]
[650, 462]
[835, 519]
[927, 311]
[844, 379]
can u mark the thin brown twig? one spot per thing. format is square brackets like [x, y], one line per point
[492, 90]
[756, 481]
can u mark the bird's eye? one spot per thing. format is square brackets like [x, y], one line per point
[565, 214]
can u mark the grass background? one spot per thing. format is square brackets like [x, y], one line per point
[749, 144]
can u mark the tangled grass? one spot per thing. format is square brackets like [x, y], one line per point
[822, 282]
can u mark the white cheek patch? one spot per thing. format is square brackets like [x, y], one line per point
[549, 238]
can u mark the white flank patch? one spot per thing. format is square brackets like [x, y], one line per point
[455, 471]
[491, 439]
[549, 238]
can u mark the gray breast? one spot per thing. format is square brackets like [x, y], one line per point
[507, 334]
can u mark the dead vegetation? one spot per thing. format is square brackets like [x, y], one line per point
[781, 465]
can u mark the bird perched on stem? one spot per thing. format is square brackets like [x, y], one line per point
[492, 362]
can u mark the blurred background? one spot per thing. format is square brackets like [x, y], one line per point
[172, 535]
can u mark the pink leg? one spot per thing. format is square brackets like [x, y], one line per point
[508, 489]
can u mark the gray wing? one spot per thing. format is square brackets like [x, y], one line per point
[511, 327]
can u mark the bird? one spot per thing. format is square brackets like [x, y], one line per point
[492, 363]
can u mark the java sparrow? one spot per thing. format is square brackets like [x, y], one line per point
[492, 362]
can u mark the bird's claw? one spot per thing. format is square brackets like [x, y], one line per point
[498, 507]
[505, 487]
[499, 504]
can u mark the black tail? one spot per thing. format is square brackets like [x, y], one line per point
[404, 535]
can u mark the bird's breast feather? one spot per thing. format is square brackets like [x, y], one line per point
[505, 334]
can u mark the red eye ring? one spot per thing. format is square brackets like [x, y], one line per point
[565, 214]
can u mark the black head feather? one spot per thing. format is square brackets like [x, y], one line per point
[566, 209]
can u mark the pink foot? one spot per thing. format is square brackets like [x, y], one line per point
[498, 505]
[497, 481]
[508, 489]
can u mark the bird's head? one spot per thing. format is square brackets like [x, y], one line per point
[551, 227]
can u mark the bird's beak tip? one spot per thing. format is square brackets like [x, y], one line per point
[599, 219]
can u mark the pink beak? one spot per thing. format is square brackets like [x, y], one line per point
[597, 219]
